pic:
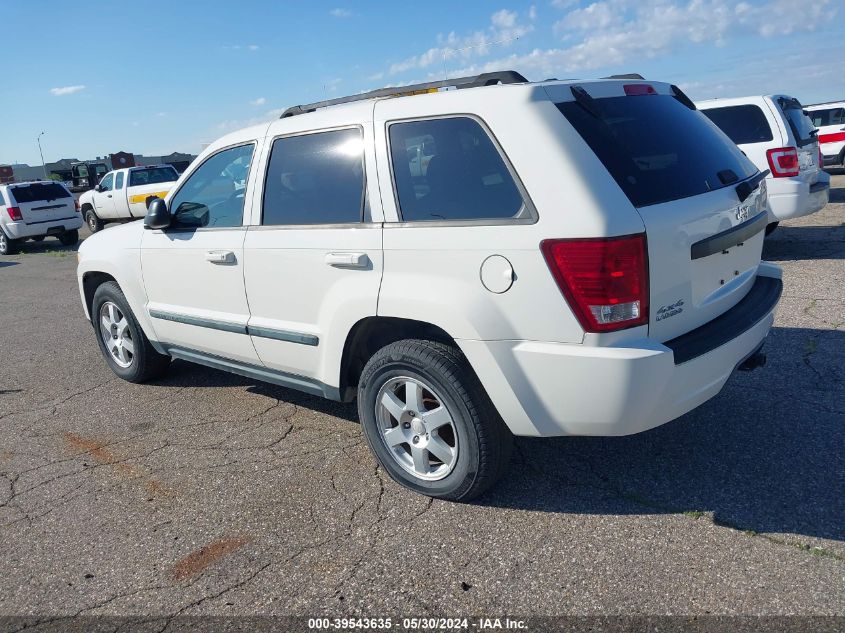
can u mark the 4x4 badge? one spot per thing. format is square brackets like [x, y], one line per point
[665, 312]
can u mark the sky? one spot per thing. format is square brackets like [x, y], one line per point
[153, 77]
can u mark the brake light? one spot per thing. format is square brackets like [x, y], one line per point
[633, 90]
[605, 281]
[14, 213]
[783, 161]
[76, 204]
[821, 157]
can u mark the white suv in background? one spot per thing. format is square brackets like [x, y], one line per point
[550, 266]
[776, 134]
[829, 118]
[35, 210]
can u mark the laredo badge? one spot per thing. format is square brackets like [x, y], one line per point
[665, 312]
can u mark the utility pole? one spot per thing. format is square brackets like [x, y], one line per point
[43, 164]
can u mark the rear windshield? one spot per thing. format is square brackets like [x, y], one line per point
[800, 124]
[39, 192]
[657, 149]
[152, 176]
[742, 123]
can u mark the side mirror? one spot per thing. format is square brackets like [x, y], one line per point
[98, 188]
[158, 215]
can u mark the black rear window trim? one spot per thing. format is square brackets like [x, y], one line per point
[520, 217]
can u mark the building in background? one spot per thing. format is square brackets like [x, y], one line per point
[23, 172]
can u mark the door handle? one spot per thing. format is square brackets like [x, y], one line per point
[347, 260]
[220, 257]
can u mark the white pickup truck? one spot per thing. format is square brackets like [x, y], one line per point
[123, 194]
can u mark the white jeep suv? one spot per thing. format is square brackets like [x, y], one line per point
[776, 134]
[34, 211]
[571, 258]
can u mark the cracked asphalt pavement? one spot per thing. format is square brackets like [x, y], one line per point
[207, 493]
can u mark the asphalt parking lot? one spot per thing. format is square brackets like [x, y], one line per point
[208, 493]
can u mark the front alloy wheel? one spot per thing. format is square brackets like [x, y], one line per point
[417, 428]
[116, 335]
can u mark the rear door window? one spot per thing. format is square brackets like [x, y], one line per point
[315, 179]
[449, 169]
[832, 116]
[742, 123]
[800, 124]
[657, 149]
[39, 192]
[152, 176]
[118, 181]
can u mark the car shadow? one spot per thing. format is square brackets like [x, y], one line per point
[805, 242]
[4, 264]
[764, 455]
[185, 374]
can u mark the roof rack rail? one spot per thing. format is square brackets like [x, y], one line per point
[626, 76]
[474, 81]
[810, 105]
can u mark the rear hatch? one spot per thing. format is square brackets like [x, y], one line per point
[804, 137]
[702, 202]
[42, 202]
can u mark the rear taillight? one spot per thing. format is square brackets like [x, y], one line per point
[14, 213]
[783, 161]
[605, 281]
[76, 204]
[821, 158]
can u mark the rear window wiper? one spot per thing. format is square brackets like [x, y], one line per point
[585, 101]
[747, 187]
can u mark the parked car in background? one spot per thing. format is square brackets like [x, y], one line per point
[34, 211]
[829, 118]
[123, 194]
[552, 266]
[774, 132]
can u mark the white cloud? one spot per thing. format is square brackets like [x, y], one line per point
[625, 34]
[340, 13]
[66, 90]
[504, 28]
[532, 13]
[258, 102]
[253, 47]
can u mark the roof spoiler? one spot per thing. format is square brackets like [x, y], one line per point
[626, 76]
[474, 81]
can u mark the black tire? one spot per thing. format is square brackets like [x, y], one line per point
[39, 238]
[770, 228]
[146, 363]
[69, 238]
[483, 441]
[94, 223]
[8, 246]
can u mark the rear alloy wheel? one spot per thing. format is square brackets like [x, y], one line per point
[94, 223]
[8, 246]
[429, 422]
[122, 341]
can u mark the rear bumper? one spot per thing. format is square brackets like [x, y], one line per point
[548, 389]
[22, 230]
[794, 198]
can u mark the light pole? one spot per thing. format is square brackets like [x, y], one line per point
[43, 164]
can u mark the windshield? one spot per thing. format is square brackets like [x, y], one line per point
[656, 148]
[39, 192]
[152, 176]
[800, 124]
